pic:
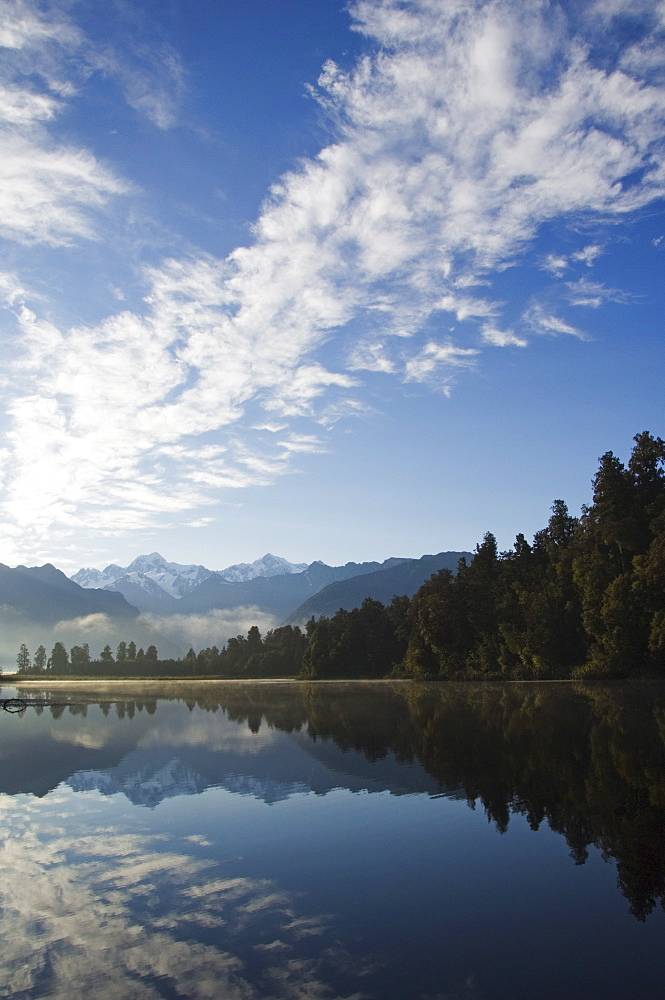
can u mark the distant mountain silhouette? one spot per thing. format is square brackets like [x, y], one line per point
[403, 578]
[275, 595]
[44, 594]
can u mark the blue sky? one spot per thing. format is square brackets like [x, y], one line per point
[332, 281]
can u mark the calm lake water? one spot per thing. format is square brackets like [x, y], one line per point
[397, 841]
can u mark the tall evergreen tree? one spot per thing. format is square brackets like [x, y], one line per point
[59, 660]
[23, 659]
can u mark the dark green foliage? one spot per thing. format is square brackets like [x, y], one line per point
[365, 642]
[80, 657]
[618, 566]
[587, 598]
[58, 662]
[23, 659]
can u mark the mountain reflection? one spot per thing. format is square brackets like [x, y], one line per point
[587, 760]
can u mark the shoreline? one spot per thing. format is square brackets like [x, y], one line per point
[182, 682]
[187, 682]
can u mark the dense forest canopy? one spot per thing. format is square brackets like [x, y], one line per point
[585, 598]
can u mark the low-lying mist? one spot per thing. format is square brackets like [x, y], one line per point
[210, 628]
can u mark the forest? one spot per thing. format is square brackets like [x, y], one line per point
[585, 598]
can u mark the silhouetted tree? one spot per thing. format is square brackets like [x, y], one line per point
[23, 659]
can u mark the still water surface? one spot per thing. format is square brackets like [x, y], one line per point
[397, 841]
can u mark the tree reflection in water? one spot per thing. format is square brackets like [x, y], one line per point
[589, 760]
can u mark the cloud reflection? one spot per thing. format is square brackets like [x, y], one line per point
[132, 914]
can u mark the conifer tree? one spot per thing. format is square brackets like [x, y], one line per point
[23, 659]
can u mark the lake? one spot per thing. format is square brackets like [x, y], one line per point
[311, 841]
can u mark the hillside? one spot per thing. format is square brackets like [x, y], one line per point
[382, 585]
[275, 595]
[44, 594]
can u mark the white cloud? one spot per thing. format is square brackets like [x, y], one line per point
[23, 25]
[51, 193]
[370, 357]
[468, 127]
[437, 362]
[466, 308]
[538, 320]
[152, 79]
[594, 294]
[589, 254]
[47, 195]
[88, 626]
[11, 289]
[554, 263]
[48, 192]
[502, 338]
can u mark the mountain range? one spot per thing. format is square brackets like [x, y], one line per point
[271, 584]
[152, 584]
[164, 603]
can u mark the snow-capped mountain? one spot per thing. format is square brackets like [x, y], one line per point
[97, 578]
[269, 565]
[175, 579]
[150, 583]
[148, 786]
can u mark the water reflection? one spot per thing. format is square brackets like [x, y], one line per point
[166, 923]
[183, 831]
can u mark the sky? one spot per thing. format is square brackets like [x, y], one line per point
[334, 281]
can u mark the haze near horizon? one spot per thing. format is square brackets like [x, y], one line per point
[333, 282]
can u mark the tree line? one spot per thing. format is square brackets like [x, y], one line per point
[78, 660]
[585, 598]
[277, 654]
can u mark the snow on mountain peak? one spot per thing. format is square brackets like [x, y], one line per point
[267, 565]
[178, 579]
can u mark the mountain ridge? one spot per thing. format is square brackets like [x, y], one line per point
[46, 594]
[156, 585]
[277, 595]
[404, 578]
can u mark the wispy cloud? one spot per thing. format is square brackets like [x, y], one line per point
[49, 192]
[594, 294]
[83, 916]
[466, 128]
[501, 338]
[589, 254]
[539, 320]
[556, 264]
[153, 80]
[437, 362]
